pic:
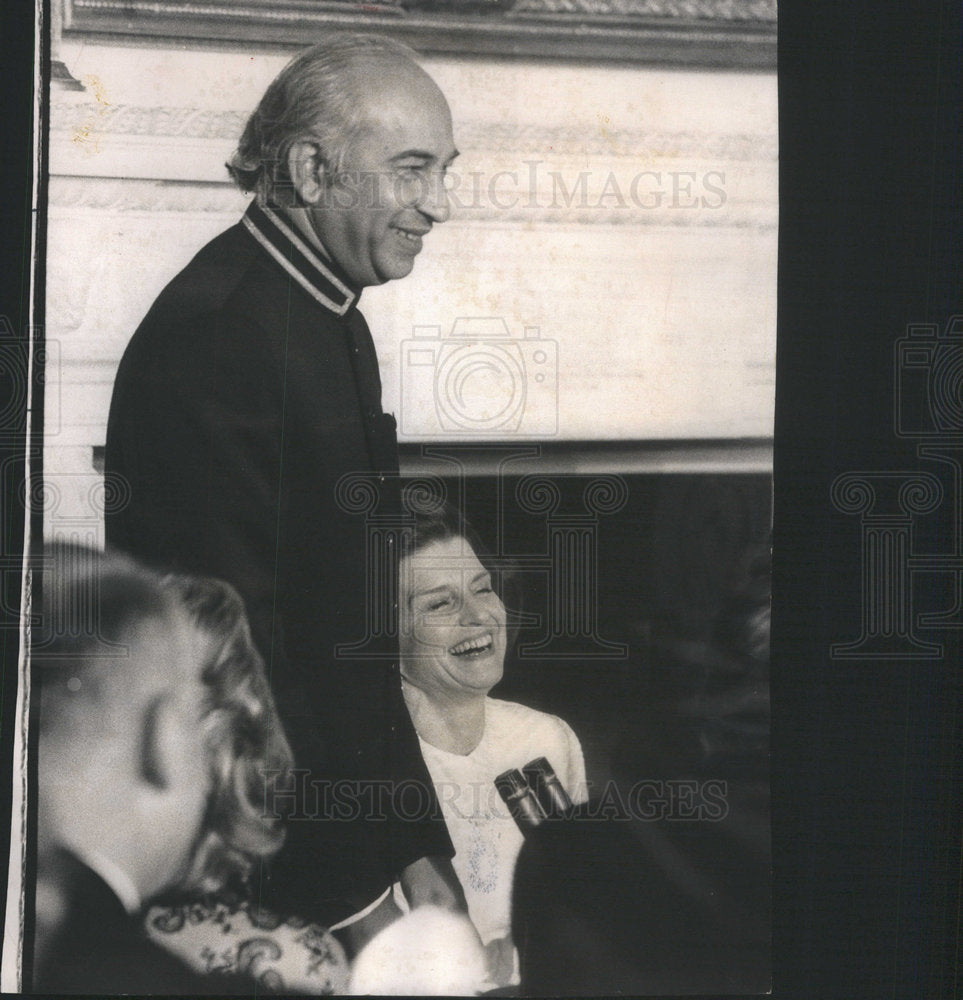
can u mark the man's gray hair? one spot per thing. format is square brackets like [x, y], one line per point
[317, 96]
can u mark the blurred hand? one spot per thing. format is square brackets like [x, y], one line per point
[428, 952]
[500, 958]
[356, 935]
[432, 881]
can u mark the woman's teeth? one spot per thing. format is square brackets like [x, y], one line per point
[476, 645]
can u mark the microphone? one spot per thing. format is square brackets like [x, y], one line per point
[533, 794]
[552, 797]
[520, 799]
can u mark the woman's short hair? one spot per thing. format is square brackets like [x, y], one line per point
[318, 96]
[438, 522]
[247, 749]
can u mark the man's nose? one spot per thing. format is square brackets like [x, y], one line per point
[434, 201]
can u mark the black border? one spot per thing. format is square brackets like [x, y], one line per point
[867, 786]
[16, 174]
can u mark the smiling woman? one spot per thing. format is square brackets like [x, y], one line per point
[455, 645]
[453, 642]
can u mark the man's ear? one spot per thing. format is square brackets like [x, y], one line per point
[307, 170]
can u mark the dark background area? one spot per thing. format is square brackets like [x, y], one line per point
[668, 564]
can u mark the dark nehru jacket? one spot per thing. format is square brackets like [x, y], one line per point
[95, 947]
[248, 392]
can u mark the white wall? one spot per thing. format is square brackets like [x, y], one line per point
[662, 305]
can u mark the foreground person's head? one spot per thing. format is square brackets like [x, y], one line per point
[122, 769]
[155, 725]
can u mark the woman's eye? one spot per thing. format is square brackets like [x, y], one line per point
[439, 604]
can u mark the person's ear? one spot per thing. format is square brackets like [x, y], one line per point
[307, 169]
[159, 737]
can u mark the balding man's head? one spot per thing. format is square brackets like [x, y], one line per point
[104, 622]
[158, 731]
[121, 760]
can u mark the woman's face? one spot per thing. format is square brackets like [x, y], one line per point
[452, 622]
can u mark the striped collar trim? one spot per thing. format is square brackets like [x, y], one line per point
[314, 274]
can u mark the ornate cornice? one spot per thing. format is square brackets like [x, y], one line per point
[717, 10]
[638, 143]
[710, 33]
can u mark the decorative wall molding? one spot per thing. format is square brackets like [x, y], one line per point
[584, 458]
[488, 137]
[709, 33]
[121, 194]
[571, 140]
[716, 10]
[128, 119]
[126, 158]
[607, 10]
[192, 198]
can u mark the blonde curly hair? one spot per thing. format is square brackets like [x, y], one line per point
[248, 750]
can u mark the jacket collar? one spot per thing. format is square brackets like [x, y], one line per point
[320, 278]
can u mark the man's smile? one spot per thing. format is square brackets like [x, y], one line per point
[412, 237]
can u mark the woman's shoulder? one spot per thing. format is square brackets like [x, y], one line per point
[498, 708]
[511, 714]
[517, 734]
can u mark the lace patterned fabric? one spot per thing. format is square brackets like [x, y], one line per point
[239, 938]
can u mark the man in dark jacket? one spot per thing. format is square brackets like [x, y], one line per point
[124, 775]
[247, 423]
